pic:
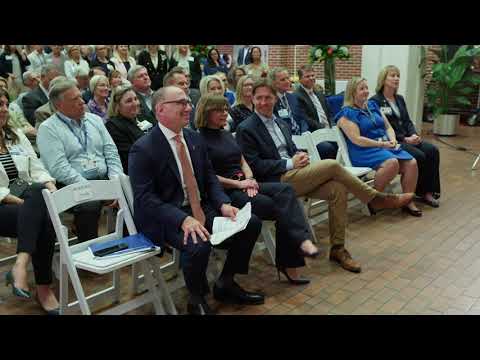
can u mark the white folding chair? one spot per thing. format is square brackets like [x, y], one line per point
[79, 256]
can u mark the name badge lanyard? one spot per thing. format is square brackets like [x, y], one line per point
[83, 145]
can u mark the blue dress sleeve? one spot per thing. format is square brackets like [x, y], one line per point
[349, 113]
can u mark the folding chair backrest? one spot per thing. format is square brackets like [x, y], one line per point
[342, 147]
[127, 190]
[305, 142]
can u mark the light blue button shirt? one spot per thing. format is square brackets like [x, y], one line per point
[61, 142]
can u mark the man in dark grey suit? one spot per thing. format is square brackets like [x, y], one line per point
[244, 55]
[316, 110]
[138, 76]
[39, 96]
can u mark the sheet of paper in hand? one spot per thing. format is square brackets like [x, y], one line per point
[224, 227]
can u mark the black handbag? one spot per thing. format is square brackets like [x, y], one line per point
[18, 187]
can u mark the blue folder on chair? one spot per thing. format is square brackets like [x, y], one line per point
[136, 243]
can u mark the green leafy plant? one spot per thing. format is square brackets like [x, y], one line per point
[200, 50]
[328, 54]
[452, 79]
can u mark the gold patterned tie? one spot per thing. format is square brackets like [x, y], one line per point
[190, 182]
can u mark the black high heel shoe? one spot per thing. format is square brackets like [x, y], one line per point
[416, 213]
[300, 281]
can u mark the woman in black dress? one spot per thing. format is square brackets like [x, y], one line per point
[243, 107]
[270, 201]
[427, 155]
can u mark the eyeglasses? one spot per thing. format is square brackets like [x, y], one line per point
[183, 102]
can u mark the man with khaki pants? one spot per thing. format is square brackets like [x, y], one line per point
[267, 145]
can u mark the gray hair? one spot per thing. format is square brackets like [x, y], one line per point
[27, 75]
[45, 69]
[159, 96]
[133, 72]
[56, 80]
[59, 88]
[94, 81]
[272, 74]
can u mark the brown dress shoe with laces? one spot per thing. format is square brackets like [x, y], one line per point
[391, 201]
[341, 256]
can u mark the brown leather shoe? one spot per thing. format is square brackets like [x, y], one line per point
[341, 256]
[391, 201]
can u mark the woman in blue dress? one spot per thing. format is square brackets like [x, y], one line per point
[372, 143]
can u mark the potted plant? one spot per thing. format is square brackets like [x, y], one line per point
[452, 82]
[328, 54]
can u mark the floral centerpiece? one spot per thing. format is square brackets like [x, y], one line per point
[328, 54]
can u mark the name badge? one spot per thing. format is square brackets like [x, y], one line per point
[386, 110]
[283, 113]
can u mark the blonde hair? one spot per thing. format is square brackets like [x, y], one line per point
[239, 90]
[352, 85]
[117, 94]
[95, 80]
[206, 80]
[382, 76]
[206, 104]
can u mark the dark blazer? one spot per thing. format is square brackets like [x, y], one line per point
[145, 112]
[194, 95]
[156, 73]
[403, 125]
[297, 113]
[311, 115]
[241, 54]
[6, 64]
[195, 71]
[124, 133]
[31, 102]
[157, 184]
[259, 149]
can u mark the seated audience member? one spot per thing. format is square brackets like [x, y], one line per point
[183, 58]
[244, 56]
[235, 73]
[316, 110]
[37, 58]
[83, 82]
[270, 201]
[122, 60]
[230, 95]
[175, 205]
[13, 63]
[212, 84]
[138, 76]
[287, 107]
[30, 81]
[75, 62]
[156, 63]
[124, 125]
[101, 60]
[243, 107]
[39, 96]
[177, 77]
[371, 141]
[266, 143]
[256, 67]
[57, 57]
[46, 110]
[214, 63]
[24, 214]
[393, 107]
[98, 104]
[75, 146]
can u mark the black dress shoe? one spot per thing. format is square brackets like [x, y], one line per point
[234, 294]
[199, 309]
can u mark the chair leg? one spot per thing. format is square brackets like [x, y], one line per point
[156, 299]
[63, 277]
[269, 241]
[135, 279]
[307, 220]
[77, 286]
[116, 286]
[162, 284]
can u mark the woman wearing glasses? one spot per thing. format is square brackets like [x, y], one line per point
[372, 142]
[270, 201]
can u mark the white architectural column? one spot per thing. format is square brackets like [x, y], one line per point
[407, 58]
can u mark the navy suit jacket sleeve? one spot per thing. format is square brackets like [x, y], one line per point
[142, 171]
[298, 113]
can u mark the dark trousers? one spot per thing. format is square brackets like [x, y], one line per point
[195, 256]
[327, 150]
[31, 225]
[428, 161]
[86, 218]
[278, 202]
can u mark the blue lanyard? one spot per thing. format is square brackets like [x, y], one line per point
[84, 146]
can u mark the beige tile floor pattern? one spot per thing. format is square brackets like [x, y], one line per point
[428, 265]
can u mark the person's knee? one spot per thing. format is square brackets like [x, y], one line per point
[392, 165]
[331, 165]
[199, 250]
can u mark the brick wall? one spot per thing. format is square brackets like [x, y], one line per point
[284, 55]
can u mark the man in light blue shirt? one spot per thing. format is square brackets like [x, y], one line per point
[75, 146]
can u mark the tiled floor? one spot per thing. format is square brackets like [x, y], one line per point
[428, 265]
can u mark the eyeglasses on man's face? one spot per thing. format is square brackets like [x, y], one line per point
[182, 102]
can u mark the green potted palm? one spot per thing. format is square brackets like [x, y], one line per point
[453, 81]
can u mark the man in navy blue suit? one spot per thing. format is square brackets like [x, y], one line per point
[177, 196]
[244, 55]
[287, 107]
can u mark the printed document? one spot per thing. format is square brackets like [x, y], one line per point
[224, 227]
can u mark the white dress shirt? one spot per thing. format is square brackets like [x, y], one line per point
[169, 134]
